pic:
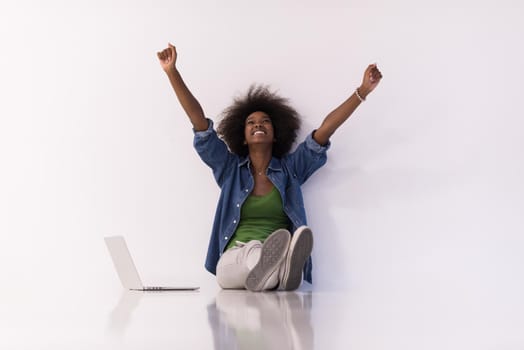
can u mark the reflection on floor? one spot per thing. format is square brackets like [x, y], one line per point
[120, 317]
[414, 318]
[236, 319]
[244, 320]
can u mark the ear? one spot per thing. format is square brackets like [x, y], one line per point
[245, 142]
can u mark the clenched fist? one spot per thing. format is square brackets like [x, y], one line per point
[167, 58]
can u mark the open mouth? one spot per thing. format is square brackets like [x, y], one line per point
[259, 132]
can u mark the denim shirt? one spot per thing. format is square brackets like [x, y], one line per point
[233, 176]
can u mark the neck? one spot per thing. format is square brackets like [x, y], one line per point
[260, 160]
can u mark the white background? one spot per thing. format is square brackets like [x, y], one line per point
[422, 191]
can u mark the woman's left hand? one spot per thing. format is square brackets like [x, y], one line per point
[372, 77]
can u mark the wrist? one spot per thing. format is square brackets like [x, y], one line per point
[363, 91]
[171, 71]
[358, 93]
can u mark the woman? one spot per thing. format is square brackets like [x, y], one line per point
[260, 202]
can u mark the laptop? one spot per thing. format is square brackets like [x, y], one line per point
[125, 267]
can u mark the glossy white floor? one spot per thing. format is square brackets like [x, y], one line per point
[411, 316]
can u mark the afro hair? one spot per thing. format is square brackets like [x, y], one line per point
[259, 98]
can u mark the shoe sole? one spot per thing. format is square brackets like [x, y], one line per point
[273, 253]
[299, 251]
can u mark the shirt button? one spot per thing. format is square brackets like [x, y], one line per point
[225, 238]
[234, 221]
[238, 205]
[247, 190]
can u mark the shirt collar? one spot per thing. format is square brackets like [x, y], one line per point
[274, 164]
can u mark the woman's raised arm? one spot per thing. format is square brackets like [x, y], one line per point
[190, 104]
[339, 115]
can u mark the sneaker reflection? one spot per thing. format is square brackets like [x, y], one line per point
[276, 320]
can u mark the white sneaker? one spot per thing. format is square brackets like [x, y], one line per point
[299, 251]
[272, 255]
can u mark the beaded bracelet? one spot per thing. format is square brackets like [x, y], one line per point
[358, 96]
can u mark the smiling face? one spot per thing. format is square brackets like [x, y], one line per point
[258, 129]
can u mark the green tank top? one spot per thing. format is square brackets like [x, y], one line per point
[259, 217]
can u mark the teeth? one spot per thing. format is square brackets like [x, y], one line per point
[259, 132]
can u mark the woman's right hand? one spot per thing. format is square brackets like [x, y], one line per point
[167, 58]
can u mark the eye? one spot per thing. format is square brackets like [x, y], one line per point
[250, 122]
